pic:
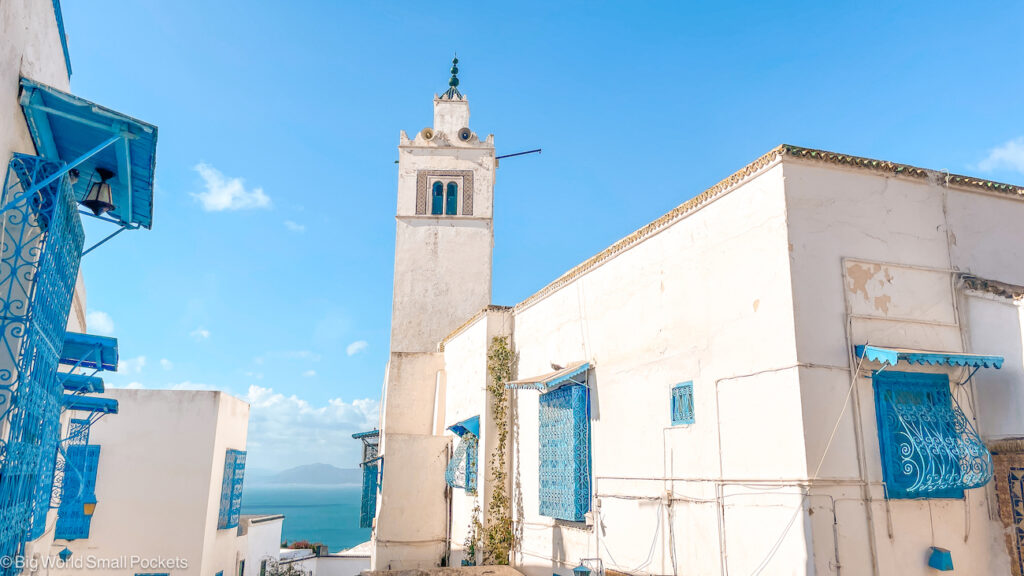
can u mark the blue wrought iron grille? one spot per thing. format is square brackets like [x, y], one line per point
[461, 471]
[929, 448]
[1015, 487]
[368, 508]
[41, 241]
[81, 464]
[231, 489]
[682, 404]
[565, 453]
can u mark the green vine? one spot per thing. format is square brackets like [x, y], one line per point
[498, 536]
[472, 542]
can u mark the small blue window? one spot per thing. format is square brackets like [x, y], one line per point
[231, 489]
[682, 404]
[452, 199]
[221, 573]
[437, 204]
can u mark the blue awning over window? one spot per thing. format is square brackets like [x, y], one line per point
[471, 425]
[89, 351]
[90, 404]
[552, 380]
[891, 356]
[82, 383]
[64, 127]
[369, 434]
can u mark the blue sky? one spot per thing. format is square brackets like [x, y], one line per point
[268, 270]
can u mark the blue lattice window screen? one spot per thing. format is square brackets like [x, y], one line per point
[565, 453]
[437, 200]
[462, 468]
[451, 203]
[928, 446]
[1015, 487]
[230, 508]
[368, 507]
[682, 404]
[80, 469]
[41, 239]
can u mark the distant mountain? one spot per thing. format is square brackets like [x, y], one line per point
[314, 474]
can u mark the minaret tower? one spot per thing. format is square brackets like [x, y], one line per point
[443, 246]
[444, 234]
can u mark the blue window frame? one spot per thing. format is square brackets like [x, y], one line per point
[462, 468]
[451, 202]
[79, 487]
[682, 404]
[928, 446]
[231, 489]
[368, 507]
[437, 202]
[565, 453]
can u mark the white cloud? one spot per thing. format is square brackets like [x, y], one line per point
[131, 365]
[132, 386]
[287, 430]
[1009, 156]
[227, 193]
[356, 347]
[309, 373]
[256, 375]
[166, 364]
[99, 323]
[200, 334]
[294, 226]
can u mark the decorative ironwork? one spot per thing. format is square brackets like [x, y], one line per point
[565, 453]
[425, 178]
[929, 447]
[368, 506]
[78, 435]
[41, 242]
[462, 468]
[82, 460]
[1015, 483]
[231, 490]
[682, 404]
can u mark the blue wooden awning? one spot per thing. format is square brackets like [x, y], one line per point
[892, 356]
[65, 127]
[367, 434]
[574, 373]
[89, 351]
[471, 425]
[90, 404]
[81, 383]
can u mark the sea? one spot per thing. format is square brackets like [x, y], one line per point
[317, 513]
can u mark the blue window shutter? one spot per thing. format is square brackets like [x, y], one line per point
[682, 404]
[236, 488]
[231, 489]
[462, 468]
[928, 446]
[452, 199]
[565, 453]
[368, 508]
[437, 203]
[80, 468]
[44, 492]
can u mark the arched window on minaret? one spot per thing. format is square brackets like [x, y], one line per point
[437, 207]
[452, 199]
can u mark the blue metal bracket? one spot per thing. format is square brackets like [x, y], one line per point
[98, 244]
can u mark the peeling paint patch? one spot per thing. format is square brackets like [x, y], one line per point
[859, 275]
[882, 303]
[756, 304]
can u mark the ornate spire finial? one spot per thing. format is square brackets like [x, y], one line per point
[453, 83]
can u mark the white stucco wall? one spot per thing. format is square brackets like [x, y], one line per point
[262, 536]
[159, 478]
[705, 300]
[874, 259]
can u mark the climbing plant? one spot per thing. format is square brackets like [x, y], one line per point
[498, 536]
[472, 542]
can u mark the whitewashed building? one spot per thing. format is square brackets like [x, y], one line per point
[167, 490]
[813, 367]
